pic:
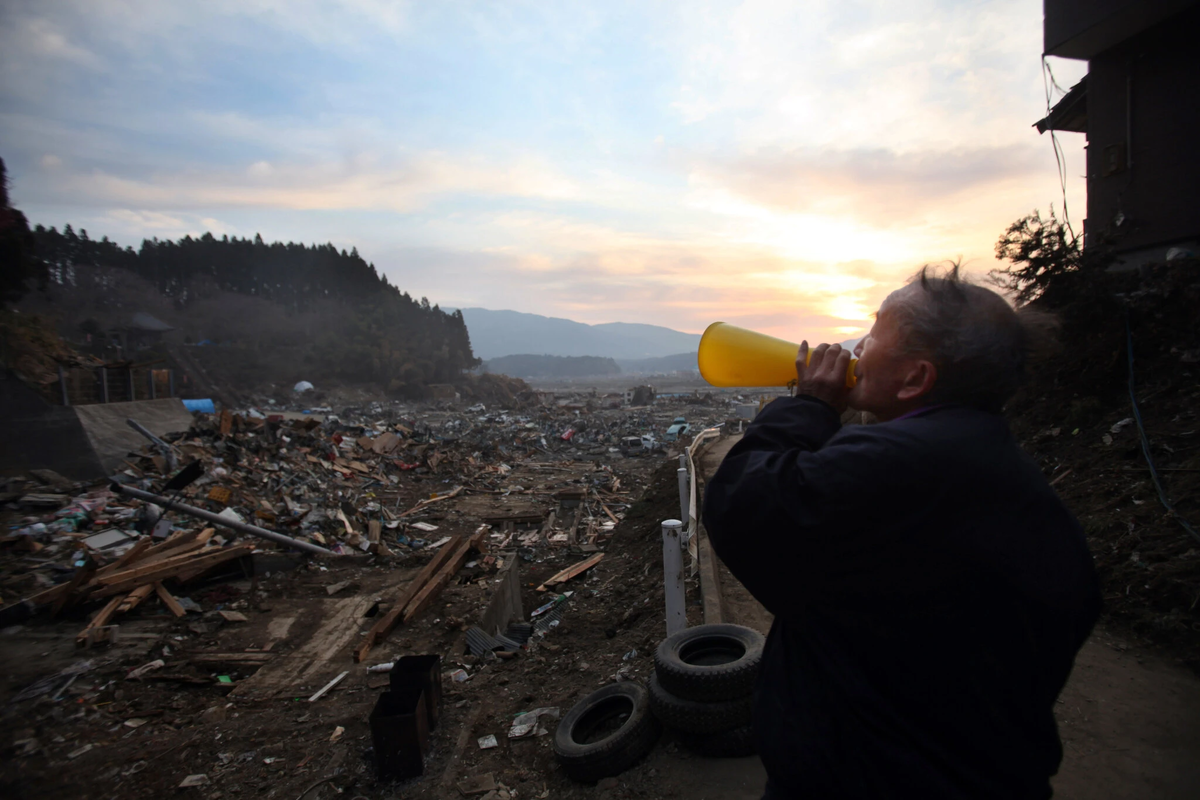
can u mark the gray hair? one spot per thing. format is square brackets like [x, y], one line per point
[978, 342]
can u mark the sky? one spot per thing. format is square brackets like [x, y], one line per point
[779, 165]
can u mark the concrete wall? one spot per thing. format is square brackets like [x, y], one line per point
[113, 439]
[79, 442]
[35, 434]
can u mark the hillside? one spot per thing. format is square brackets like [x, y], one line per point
[1077, 419]
[504, 333]
[678, 362]
[530, 366]
[269, 315]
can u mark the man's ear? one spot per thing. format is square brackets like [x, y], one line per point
[918, 382]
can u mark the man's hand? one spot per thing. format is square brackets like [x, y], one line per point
[825, 376]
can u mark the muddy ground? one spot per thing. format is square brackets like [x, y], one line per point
[109, 736]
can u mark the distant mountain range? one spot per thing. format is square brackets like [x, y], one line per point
[505, 333]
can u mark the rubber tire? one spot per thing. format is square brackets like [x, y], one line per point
[674, 662]
[737, 743]
[620, 750]
[693, 716]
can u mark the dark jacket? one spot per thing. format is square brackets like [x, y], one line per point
[930, 592]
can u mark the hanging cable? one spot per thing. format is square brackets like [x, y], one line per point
[1137, 417]
[1060, 159]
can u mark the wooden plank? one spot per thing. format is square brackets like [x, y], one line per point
[611, 515]
[132, 554]
[443, 576]
[151, 552]
[374, 531]
[169, 599]
[572, 532]
[131, 579]
[571, 571]
[135, 598]
[140, 568]
[384, 625]
[99, 621]
[251, 659]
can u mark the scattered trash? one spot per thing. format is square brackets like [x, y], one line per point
[527, 724]
[488, 742]
[77, 753]
[325, 689]
[194, 780]
[134, 674]
[337, 733]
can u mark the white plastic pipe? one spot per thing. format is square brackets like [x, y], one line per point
[685, 497]
[673, 576]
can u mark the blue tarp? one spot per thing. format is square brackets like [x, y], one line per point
[204, 406]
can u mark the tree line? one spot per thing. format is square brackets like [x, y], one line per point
[369, 331]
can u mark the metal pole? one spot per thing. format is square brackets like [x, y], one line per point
[165, 448]
[216, 519]
[673, 576]
[171, 382]
[150, 382]
[62, 384]
[685, 496]
[132, 393]
[104, 384]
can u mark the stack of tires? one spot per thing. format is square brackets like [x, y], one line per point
[702, 688]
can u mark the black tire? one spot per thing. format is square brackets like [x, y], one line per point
[693, 716]
[586, 743]
[737, 743]
[710, 662]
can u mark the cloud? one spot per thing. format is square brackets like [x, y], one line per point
[878, 187]
[365, 182]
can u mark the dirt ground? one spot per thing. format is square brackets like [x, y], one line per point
[108, 735]
[1129, 716]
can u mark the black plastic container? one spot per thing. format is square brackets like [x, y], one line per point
[400, 733]
[425, 672]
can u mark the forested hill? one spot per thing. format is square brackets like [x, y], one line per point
[311, 312]
[294, 274]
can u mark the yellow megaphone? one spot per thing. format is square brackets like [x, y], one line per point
[733, 356]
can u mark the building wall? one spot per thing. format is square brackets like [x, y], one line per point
[1085, 28]
[1143, 161]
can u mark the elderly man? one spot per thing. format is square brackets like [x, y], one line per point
[930, 590]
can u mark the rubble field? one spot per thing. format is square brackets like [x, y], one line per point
[147, 654]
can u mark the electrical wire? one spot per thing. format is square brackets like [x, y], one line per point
[1060, 159]
[1137, 417]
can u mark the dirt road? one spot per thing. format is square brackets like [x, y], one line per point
[1129, 716]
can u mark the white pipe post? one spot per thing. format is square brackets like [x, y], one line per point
[673, 576]
[685, 496]
[683, 460]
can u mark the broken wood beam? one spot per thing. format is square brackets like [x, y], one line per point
[572, 532]
[384, 625]
[242, 659]
[135, 598]
[571, 571]
[169, 599]
[170, 568]
[99, 621]
[448, 570]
